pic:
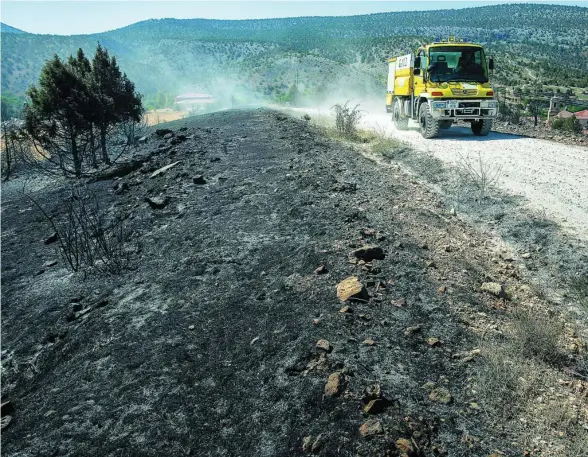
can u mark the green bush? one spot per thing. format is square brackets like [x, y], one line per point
[570, 124]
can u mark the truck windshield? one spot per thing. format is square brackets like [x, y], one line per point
[454, 63]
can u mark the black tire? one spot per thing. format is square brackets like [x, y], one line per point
[429, 125]
[481, 127]
[445, 124]
[401, 123]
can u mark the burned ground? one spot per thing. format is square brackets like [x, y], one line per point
[206, 346]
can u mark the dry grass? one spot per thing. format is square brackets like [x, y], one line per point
[537, 336]
[159, 116]
[506, 383]
[519, 385]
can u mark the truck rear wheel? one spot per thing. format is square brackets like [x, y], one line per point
[481, 127]
[401, 123]
[429, 125]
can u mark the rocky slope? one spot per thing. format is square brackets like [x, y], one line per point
[239, 329]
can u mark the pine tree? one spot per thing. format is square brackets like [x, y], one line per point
[53, 116]
[82, 67]
[75, 97]
[117, 100]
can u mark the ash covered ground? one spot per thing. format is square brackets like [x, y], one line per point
[207, 346]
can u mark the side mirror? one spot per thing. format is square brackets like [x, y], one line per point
[417, 62]
[491, 64]
[416, 72]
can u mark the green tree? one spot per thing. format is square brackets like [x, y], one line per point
[82, 68]
[73, 99]
[53, 116]
[534, 108]
[117, 100]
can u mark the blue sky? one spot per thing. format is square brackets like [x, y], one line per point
[81, 16]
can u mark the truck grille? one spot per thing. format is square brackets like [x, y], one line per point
[469, 104]
[464, 92]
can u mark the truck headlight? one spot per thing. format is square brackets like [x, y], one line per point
[439, 105]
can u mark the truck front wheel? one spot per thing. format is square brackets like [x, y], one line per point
[401, 123]
[429, 125]
[481, 127]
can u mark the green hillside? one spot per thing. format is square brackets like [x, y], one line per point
[532, 44]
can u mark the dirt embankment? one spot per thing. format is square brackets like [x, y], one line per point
[208, 346]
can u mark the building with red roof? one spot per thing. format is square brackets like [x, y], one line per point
[193, 101]
[582, 116]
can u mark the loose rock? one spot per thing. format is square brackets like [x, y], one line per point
[429, 385]
[440, 395]
[412, 330]
[306, 443]
[372, 392]
[352, 289]
[375, 406]
[163, 132]
[399, 303]
[405, 447]
[321, 270]
[199, 179]
[369, 342]
[334, 384]
[370, 428]
[368, 253]
[324, 345]
[157, 202]
[495, 289]
[433, 342]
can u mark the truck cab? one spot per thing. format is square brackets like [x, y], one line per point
[439, 84]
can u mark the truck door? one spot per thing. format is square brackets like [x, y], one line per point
[419, 80]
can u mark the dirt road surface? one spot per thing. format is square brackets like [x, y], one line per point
[553, 177]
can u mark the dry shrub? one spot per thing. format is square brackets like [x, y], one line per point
[537, 336]
[482, 174]
[347, 119]
[88, 237]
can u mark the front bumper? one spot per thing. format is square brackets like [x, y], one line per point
[463, 109]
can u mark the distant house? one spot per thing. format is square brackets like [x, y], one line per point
[563, 114]
[582, 116]
[193, 101]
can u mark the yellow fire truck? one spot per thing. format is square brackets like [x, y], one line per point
[441, 83]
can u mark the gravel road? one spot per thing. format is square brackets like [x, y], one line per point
[553, 177]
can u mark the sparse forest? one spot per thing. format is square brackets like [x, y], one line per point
[262, 59]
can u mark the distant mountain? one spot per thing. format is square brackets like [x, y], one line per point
[5, 28]
[345, 56]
